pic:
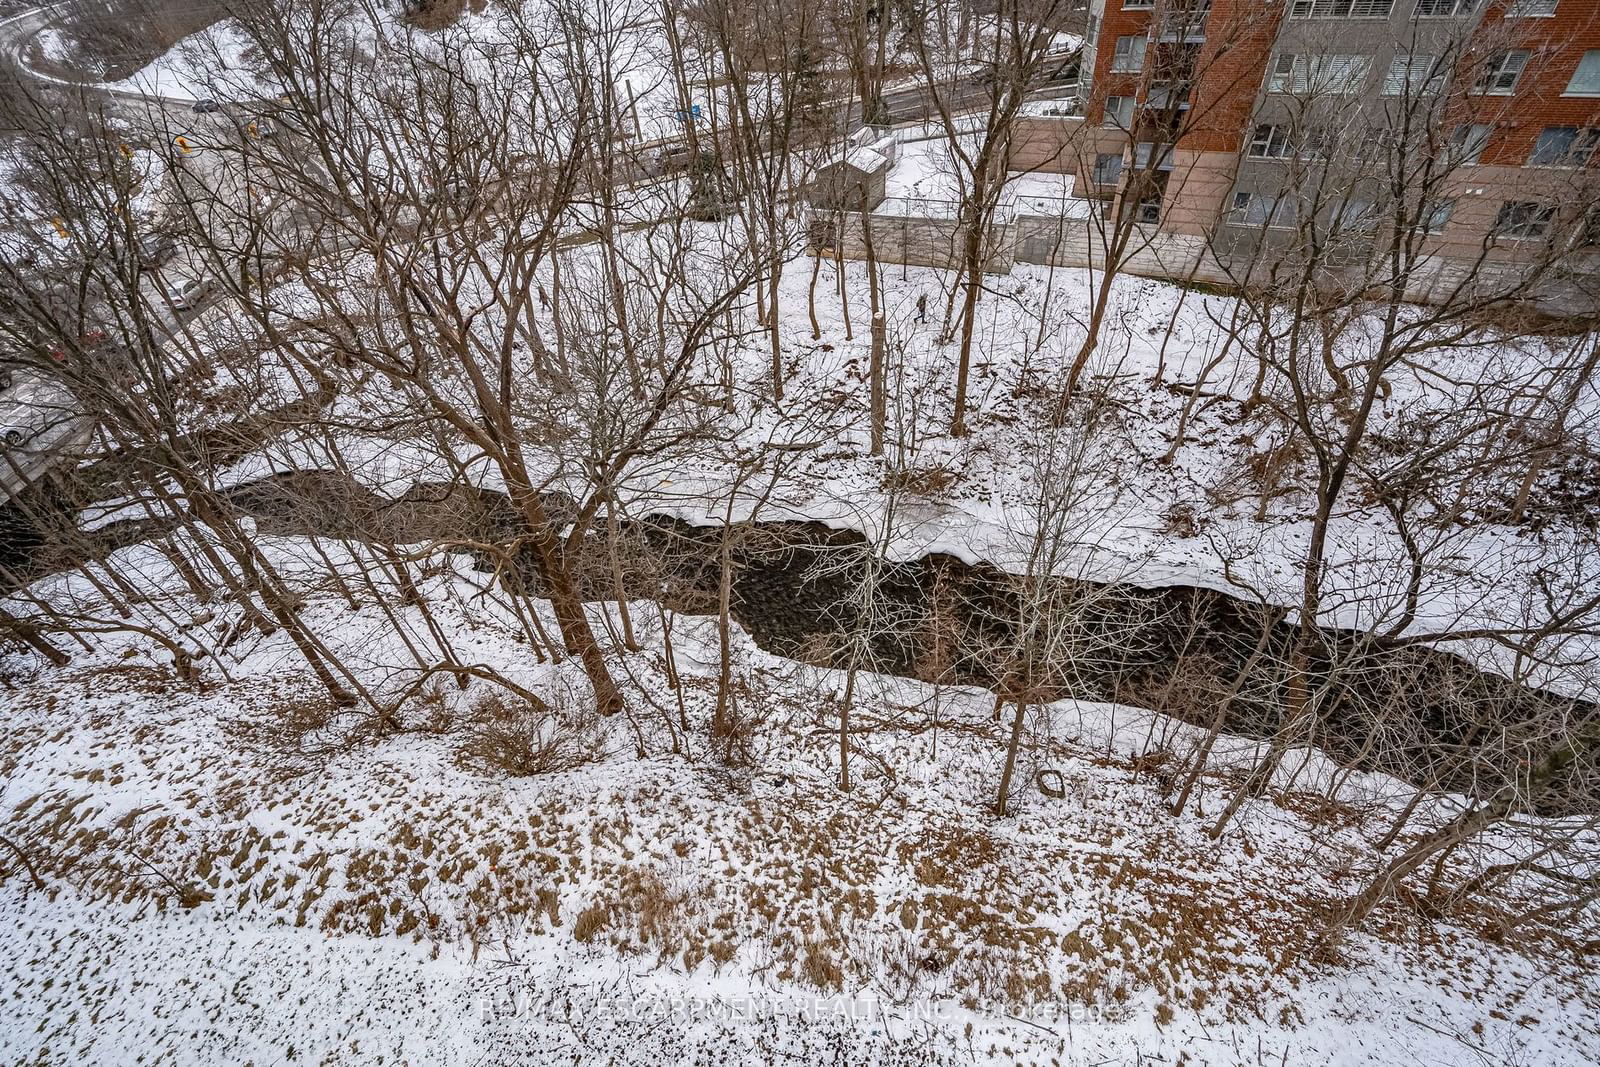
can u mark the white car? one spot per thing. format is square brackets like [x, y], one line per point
[42, 426]
[669, 159]
[188, 295]
[36, 414]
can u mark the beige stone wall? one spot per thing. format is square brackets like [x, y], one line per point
[1153, 252]
[1047, 144]
[921, 242]
[1197, 191]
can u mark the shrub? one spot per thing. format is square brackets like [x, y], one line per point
[928, 480]
[528, 737]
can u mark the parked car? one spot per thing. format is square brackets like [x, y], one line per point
[35, 413]
[206, 106]
[670, 159]
[461, 198]
[155, 249]
[187, 295]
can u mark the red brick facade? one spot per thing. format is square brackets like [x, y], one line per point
[1227, 70]
[1556, 44]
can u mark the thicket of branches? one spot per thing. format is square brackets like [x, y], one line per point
[450, 242]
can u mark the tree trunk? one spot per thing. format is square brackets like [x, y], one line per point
[844, 729]
[969, 315]
[1467, 824]
[1011, 758]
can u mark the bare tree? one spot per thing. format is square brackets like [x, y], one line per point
[1013, 49]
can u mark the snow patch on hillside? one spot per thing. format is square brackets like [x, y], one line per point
[241, 873]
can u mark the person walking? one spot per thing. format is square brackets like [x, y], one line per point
[922, 307]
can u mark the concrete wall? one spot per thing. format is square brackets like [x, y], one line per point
[840, 186]
[922, 242]
[1049, 144]
[1152, 252]
[1043, 240]
[1227, 258]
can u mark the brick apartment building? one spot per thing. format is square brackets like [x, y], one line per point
[1219, 140]
[1232, 127]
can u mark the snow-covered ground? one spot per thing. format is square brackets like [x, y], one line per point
[219, 62]
[241, 874]
[925, 181]
[1199, 517]
[622, 39]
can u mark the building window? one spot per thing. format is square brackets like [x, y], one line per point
[1468, 141]
[1372, 143]
[1107, 168]
[1261, 209]
[1562, 146]
[1183, 25]
[1319, 73]
[1445, 9]
[1503, 70]
[1149, 211]
[1342, 9]
[1128, 5]
[1530, 8]
[1356, 214]
[1164, 95]
[1586, 79]
[1129, 55]
[1589, 232]
[1435, 213]
[1412, 75]
[1119, 112]
[1145, 149]
[1523, 218]
[1271, 142]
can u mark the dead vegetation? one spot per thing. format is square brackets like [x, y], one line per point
[929, 480]
[523, 737]
[807, 885]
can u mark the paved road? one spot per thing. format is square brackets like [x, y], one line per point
[165, 116]
[42, 426]
[18, 31]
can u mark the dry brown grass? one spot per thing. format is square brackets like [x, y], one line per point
[812, 885]
[655, 907]
[1181, 520]
[820, 967]
[590, 922]
[528, 737]
[927, 480]
[435, 15]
